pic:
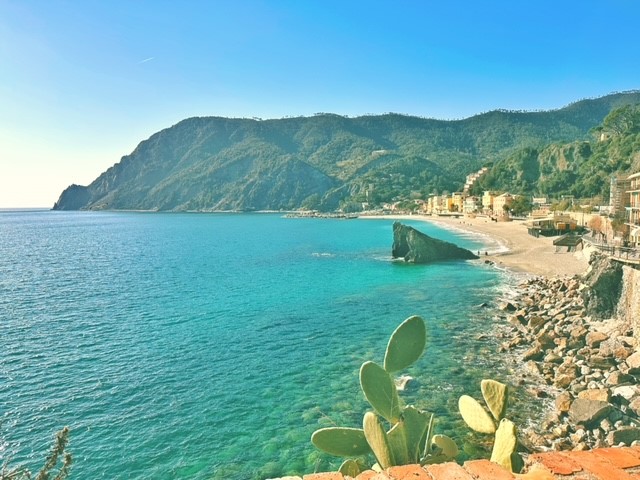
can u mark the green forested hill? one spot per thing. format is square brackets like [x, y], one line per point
[581, 168]
[327, 160]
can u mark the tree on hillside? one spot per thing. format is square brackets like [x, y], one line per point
[521, 205]
[595, 224]
[623, 120]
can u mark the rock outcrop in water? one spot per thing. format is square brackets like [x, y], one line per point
[417, 247]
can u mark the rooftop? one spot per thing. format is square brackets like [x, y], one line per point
[600, 464]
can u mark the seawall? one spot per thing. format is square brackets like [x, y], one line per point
[629, 303]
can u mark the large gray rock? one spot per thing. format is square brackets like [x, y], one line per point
[625, 435]
[417, 247]
[588, 412]
[604, 280]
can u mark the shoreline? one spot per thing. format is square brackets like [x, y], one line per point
[516, 250]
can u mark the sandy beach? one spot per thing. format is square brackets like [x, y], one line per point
[520, 251]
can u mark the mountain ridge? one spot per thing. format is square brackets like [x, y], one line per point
[324, 161]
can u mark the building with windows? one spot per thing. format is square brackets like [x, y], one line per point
[633, 209]
[618, 193]
[487, 202]
[472, 204]
[501, 205]
[472, 178]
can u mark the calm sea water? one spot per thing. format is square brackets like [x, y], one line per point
[197, 346]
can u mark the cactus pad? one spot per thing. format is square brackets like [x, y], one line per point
[350, 468]
[343, 442]
[380, 391]
[406, 344]
[475, 416]
[495, 396]
[415, 423]
[397, 439]
[505, 444]
[448, 446]
[377, 439]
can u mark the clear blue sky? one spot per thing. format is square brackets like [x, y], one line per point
[83, 82]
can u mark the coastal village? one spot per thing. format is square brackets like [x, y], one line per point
[615, 224]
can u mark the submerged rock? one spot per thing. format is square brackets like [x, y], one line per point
[402, 382]
[417, 247]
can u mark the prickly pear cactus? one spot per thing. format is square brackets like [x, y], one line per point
[448, 446]
[414, 426]
[351, 468]
[410, 436]
[505, 444]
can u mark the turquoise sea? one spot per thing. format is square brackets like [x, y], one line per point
[204, 346]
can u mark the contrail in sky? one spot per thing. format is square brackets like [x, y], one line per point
[146, 60]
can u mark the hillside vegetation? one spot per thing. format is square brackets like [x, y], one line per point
[580, 168]
[328, 161]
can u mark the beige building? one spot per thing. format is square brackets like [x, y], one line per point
[472, 204]
[501, 204]
[487, 202]
[457, 202]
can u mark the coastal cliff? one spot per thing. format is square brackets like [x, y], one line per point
[418, 247]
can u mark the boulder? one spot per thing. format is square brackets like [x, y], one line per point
[625, 435]
[507, 307]
[534, 353]
[635, 406]
[563, 402]
[633, 361]
[596, 361]
[536, 321]
[402, 382]
[595, 394]
[588, 412]
[563, 380]
[619, 378]
[417, 247]
[604, 282]
[628, 392]
[594, 339]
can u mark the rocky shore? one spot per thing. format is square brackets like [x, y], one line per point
[572, 351]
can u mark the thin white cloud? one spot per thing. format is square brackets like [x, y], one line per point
[146, 60]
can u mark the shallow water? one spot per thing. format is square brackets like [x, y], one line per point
[211, 346]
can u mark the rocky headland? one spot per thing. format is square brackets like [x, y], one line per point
[576, 342]
[417, 247]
